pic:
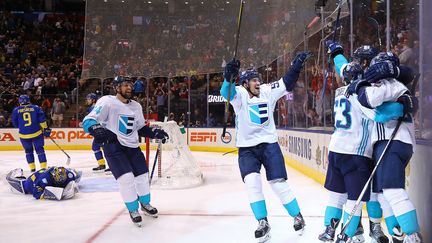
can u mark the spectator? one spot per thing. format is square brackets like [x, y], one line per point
[58, 109]
[73, 122]
[139, 87]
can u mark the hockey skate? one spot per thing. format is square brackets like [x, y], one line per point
[108, 171]
[299, 224]
[149, 210]
[343, 239]
[329, 233]
[413, 238]
[358, 237]
[398, 236]
[262, 233]
[136, 217]
[99, 168]
[376, 233]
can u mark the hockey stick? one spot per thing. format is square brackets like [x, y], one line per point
[357, 203]
[58, 146]
[227, 104]
[329, 58]
[154, 163]
[232, 151]
[375, 22]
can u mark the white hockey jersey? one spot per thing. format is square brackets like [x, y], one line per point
[122, 119]
[353, 126]
[389, 90]
[254, 116]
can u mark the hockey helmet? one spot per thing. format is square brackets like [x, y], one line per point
[92, 96]
[24, 99]
[247, 75]
[119, 80]
[365, 52]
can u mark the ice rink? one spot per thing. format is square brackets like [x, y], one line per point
[218, 211]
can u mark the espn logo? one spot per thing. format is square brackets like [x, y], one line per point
[203, 137]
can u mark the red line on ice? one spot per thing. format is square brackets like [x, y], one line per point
[104, 227]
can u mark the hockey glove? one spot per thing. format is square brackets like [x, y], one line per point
[410, 103]
[47, 132]
[160, 134]
[99, 133]
[355, 85]
[299, 61]
[231, 71]
[334, 48]
[381, 70]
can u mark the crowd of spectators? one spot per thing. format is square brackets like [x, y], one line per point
[41, 56]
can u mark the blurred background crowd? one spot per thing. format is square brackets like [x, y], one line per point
[58, 55]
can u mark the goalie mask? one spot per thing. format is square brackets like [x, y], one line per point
[59, 175]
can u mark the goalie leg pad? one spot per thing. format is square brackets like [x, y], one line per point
[52, 193]
[16, 180]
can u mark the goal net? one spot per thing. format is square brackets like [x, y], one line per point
[176, 167]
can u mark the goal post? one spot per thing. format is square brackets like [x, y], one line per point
[177, 168]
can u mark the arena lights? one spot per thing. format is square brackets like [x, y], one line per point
[186, 3]
[149, 2]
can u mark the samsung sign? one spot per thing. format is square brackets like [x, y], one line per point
[215, 99]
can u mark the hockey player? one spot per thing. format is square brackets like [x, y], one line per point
[91, 101]
[350, 154]
[362, 55]
[389, 179]
[55, 183]
[257, 139]
[31, 122]
[116, 122]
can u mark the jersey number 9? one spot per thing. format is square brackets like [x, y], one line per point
[27, 119]
[342, 109]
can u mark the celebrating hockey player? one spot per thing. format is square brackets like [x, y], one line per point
[389, 179]
[348, 72]
[116, 122]
[257, 139]
[31, 122]
[55, 183]
[91, 101]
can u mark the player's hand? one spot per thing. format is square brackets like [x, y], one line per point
[410, 103]
[47, 132]
[231, 71]
[99, 133]
[334, 48]
[300, 59]
[354, 86]
[381, 70]
[160, 134]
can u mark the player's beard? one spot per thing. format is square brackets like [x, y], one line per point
[126, 94]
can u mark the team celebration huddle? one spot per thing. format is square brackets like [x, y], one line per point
[364, 98]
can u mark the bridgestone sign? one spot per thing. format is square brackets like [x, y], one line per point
[215, 99]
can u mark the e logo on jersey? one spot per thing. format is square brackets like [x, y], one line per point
[125, 124]
[258, 114]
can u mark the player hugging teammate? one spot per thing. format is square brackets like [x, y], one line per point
[367, 111]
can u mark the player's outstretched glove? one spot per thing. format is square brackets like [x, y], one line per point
[161, 134]
[355, 85]
[47, 132]
[300, 59]
[381, 70]
[231, 70]
[99, 133]
[334, 48]
[410, 103]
